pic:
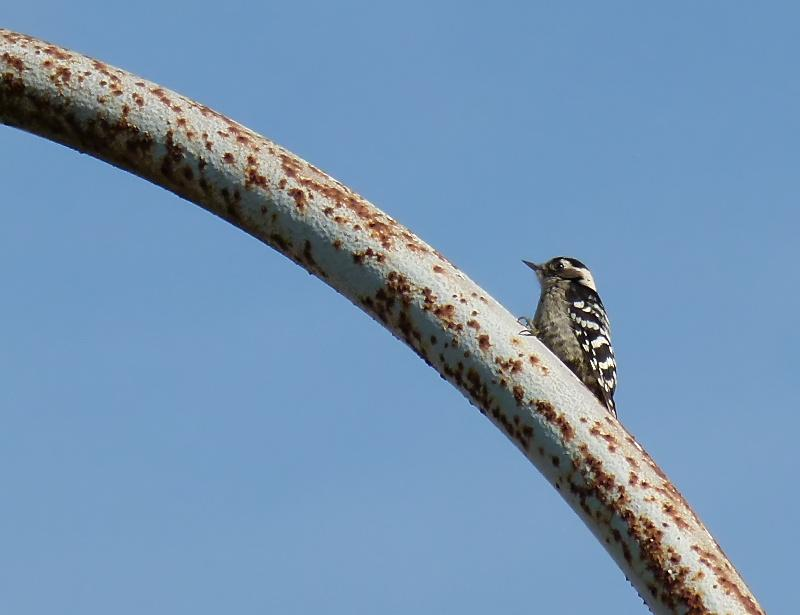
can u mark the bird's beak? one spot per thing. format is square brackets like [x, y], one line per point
[533, 266]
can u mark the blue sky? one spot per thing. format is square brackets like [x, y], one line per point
[193, 424]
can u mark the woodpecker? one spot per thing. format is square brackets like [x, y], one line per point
[572, 322]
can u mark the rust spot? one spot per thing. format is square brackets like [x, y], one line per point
[60, 54]
[161, 95]
[282, 243]
[291, 166]
[381, 232]
[254, 178]
[359, 207]
[228, 157]
[438, 269]
[63, 74]
[609, 439]
[673, 514]
[445, 311]
[428, 299]
[626, 553]
[232, 205]
[477, 389]
[512, 365]
[173, 156]
[548, 412]
[483, 342]
[536, 362]
[502, 419]
[337, 244]
[474, 324]
[15, 62]
[400, 286]
[299, 197]
[308, 256]
[407, 328]
[139, 144]
[519, 394]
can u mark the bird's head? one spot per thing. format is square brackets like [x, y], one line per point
[563, 268]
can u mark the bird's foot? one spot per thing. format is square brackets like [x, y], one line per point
[529, 328]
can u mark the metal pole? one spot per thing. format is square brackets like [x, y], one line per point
[632, 508]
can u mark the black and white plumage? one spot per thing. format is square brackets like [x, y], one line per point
[572, 322]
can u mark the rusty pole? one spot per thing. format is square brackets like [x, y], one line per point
[630, 505]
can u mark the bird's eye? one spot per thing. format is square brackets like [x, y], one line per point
[560, 266]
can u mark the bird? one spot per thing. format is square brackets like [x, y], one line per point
[572, 322]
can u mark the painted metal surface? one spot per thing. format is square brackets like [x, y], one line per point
[414, 291]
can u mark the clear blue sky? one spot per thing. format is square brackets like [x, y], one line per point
[192, 424]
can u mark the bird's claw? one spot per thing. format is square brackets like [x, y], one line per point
[529, 328]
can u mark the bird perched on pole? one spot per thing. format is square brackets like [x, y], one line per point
[572, 322]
